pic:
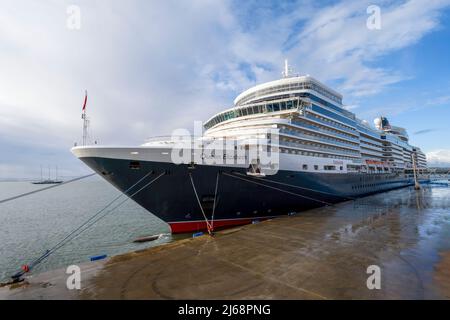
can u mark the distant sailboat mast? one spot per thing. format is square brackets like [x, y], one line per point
[49, 180]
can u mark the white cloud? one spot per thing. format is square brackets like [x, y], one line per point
[337, 45]
[438, 101]
[153, 66]
[139, 62]
[439, 157]
[352, 107]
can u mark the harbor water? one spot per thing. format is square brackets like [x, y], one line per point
[33, 224]
[406, 232]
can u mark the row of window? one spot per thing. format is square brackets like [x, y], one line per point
[371, 155]
[371, 146]
[325, 93]
[314, 136]
[396, 141]
[317, 146]
[370, 141]
[391, 148]
[369, 132]
[328, 104]
[315, 154]
[324, 146]
[251, 110]
[334, 116]
[326, 130]
[328, 122]
[393, 154]
[393, 157]
[328, 168]
[290, 87]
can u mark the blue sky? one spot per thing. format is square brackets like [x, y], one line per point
[154, 66]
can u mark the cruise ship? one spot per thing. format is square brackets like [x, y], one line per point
[323, 155]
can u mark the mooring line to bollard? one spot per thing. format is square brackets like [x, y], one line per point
[86, 225]
[298, 187]
[123, 201]
[215, 197]
[208, 226]
[275, 188]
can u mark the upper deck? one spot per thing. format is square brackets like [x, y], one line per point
[312, 121]
[284, 94]
[286, 86]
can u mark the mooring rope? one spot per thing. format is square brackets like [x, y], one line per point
[46, 188]
[208, 226]
[215, 197]
[281, 190]
[118, 205]
[304, 188]
[86, 225]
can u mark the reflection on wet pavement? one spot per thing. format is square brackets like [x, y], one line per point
[318, 254]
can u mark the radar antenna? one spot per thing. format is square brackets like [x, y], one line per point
[287, 72]
[85, 120]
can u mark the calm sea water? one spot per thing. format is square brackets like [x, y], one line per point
[30, 225]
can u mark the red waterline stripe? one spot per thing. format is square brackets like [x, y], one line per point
[194, 226]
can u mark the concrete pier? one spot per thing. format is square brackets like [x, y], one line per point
[318, 254]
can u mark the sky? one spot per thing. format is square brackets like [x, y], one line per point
[151, 67]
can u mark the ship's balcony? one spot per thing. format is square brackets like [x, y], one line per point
[296, 134]
[329, 132]
[319, 149]
[330, 124]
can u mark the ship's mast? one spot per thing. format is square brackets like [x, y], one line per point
[287, 70]
[85, 120]
[84, 128]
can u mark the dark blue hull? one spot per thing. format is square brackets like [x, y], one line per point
[240, 198]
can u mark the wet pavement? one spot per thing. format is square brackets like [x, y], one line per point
[318, 254]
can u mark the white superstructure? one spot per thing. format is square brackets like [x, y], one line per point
[316, 132]
[322, 154]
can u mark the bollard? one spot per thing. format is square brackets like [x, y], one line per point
[198, 234]
[95, 258]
